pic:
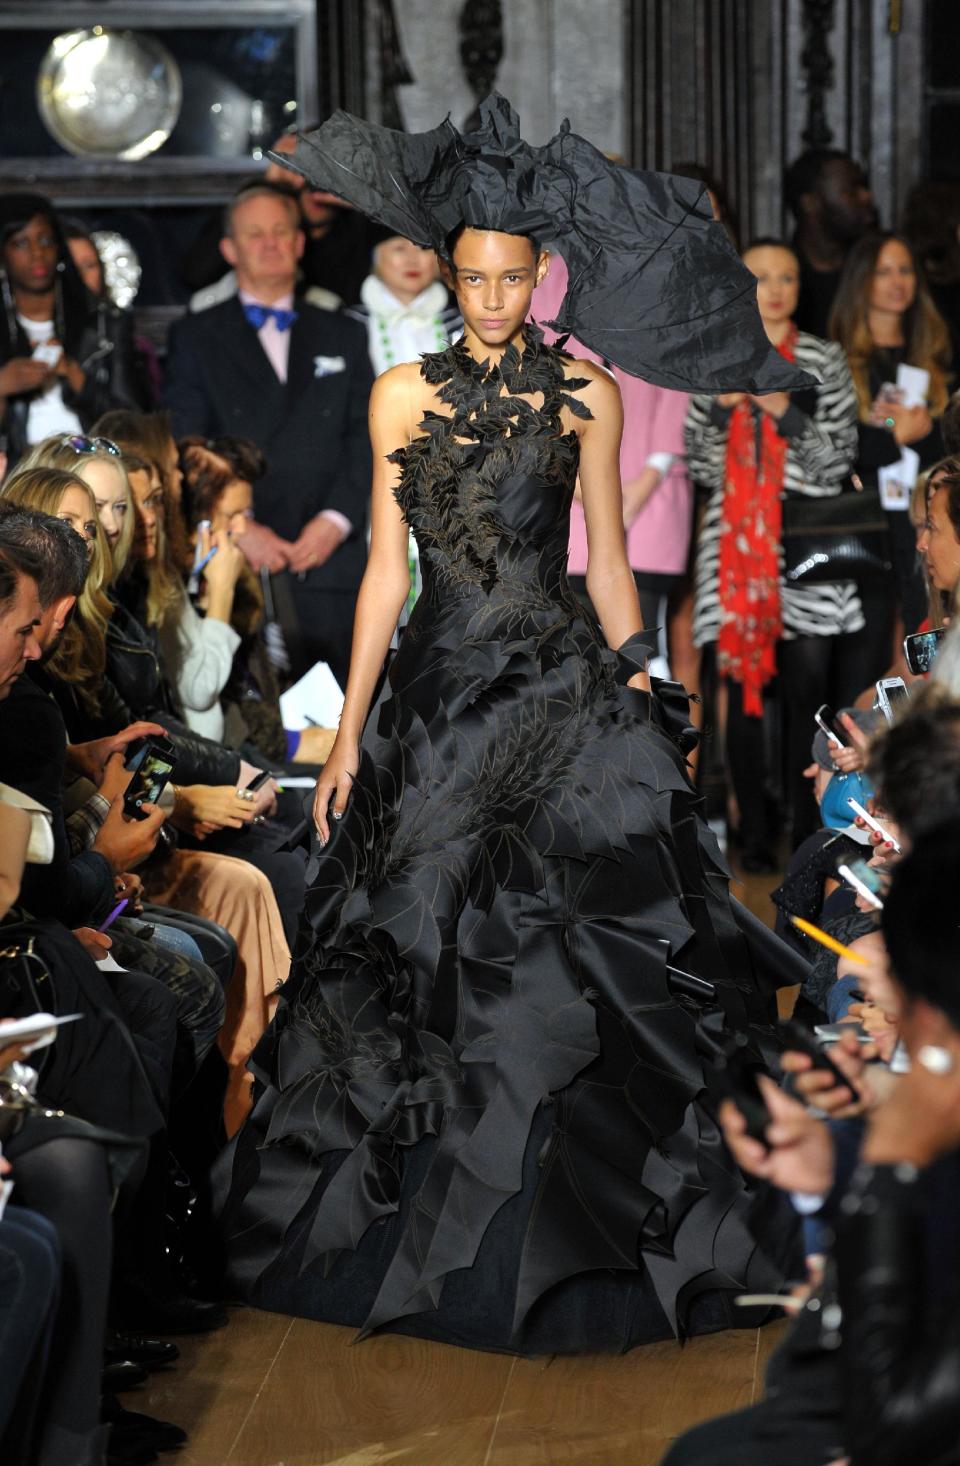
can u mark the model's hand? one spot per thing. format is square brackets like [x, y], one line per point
[800, 1155]
[774, 404]
[335, 784]
[264, 549]
[24, 374]
[90, 759]
[316, 543]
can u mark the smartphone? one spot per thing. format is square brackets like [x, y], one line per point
[828, 722]
[920, 650]
[259, 780]
[800, 1040]
[152, 764]
[831, 1033]
[47, 351]
[873, 824]
[865, 881]
[892, 696]
[737, 1071]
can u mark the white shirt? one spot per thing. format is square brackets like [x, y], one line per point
[399, 332]
[48, 414]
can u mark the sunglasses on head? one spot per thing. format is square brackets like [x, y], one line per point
[80, 444]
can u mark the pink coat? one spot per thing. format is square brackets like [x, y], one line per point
[659, 538]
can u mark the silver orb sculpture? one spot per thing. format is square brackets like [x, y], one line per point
[104, 93]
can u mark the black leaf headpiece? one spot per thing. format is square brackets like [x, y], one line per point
[655, 285]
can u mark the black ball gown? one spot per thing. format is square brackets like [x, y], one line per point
[480, 1111]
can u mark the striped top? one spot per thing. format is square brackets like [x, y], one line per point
[821, 450]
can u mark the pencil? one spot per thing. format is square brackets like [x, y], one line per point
[825, 940]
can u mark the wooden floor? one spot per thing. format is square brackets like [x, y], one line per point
[274, 1391]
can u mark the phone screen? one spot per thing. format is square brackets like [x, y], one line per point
[920, 650]
[153, 766]
[827, 719]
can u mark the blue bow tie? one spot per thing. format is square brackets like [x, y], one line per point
[259, 315]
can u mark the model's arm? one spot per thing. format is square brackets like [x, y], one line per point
[383, 590]
[610, 583]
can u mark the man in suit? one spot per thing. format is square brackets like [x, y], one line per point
[297, 382]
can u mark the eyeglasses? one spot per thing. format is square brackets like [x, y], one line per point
[80, 444]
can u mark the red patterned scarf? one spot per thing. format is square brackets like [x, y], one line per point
[749, 578]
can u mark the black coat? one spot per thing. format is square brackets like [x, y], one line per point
[101, 341]
[311, 428]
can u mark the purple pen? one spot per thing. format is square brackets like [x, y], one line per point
[117, 910]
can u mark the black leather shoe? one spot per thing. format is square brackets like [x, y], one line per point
[140, 1308]
[121, 1374]
[134, 1429]
[150, 1353]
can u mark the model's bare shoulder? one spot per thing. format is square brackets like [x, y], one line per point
[600, 392]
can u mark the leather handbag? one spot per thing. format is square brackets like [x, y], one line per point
[835, 537]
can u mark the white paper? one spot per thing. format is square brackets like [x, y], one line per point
[109, 964]
[316, 701]
[297, 781]
[897, 480]
[6, 1190]
[43, 1025]
[914, 383]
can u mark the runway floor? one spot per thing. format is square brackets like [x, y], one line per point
[274, 1391]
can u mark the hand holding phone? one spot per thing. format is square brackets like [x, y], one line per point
[865, 880]
[873, 824]
[920, 650]
[828, 722]
[152, 762]
[892, 696]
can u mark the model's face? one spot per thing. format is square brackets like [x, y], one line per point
[87, 261]
[18, 632]
[778, 282]
[938, 543]
[77, 510]
[265, 245]
[109, 495]
[147, 491]
[30, 256]
[894, 284]
[233, 510]
[404, 267]
[844, 200]
[494, 282]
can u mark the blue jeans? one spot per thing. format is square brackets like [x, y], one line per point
[176, 940]
[29, 1294]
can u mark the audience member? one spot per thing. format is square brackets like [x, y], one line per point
[283, 374]
[61, 367]
[931, 222]
[657, 496]
[114, 324]
[337, 243]
[830, 199]
[404, 305]
[750, 451]
[885, 320]
[220, 474]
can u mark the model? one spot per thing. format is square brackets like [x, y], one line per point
[481, 1112]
